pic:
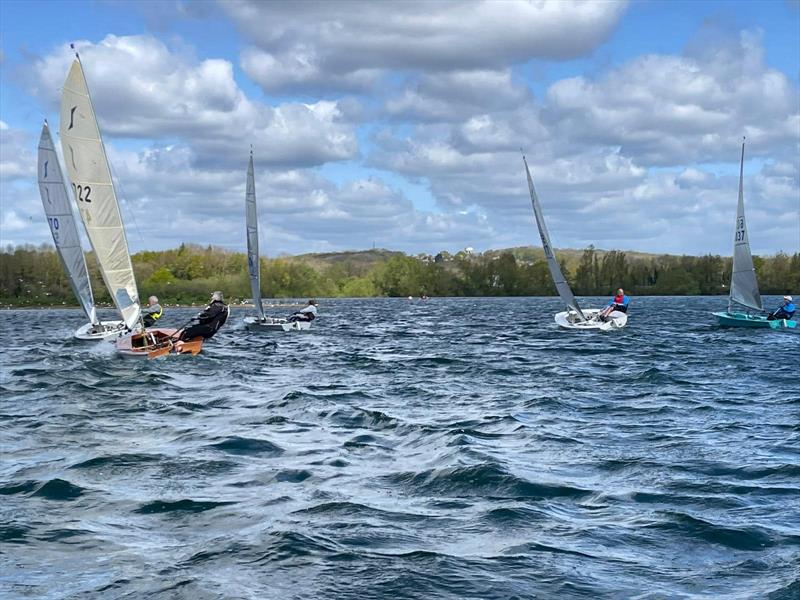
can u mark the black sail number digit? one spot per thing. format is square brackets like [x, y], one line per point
[82, 192]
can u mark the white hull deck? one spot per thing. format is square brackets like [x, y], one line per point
[569, 320]
[108, 330]
[275, 324]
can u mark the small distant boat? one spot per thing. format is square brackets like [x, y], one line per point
[55, 199]
[744, 285]
[573, 317]
[87, 165]
[260, 322]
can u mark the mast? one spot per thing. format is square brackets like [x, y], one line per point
[66, 238]
[744, 285]
[93, 188]
[253, 259]
[560, 281]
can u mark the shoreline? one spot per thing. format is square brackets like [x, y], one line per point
[302, 304]
[75, 306]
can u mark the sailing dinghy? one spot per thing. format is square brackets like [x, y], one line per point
[66, 238]
[87, 165]
[574, 317]
[744, 285]
[260, 322]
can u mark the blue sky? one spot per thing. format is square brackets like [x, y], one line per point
[399, 124]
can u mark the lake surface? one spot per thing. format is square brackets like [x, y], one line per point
[450, 448]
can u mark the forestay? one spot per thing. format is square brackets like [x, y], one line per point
[253, 261]
[55, 199]
[555, 270]
[87, 165]
[744, 286]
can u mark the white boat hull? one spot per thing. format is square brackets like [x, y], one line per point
[109, 330]
[272, 324]
[568, 320]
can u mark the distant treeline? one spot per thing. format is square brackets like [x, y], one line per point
[34, 276]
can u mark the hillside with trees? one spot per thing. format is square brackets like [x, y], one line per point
[33, 276]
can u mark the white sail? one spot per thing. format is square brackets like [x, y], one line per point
[555, 270]
[87, 165]
[744, 286]
[253, 260]
[55, 199]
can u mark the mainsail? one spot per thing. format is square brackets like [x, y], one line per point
[55, 199]
[744, 286]
[253, 260]
[87, 165]
[555, 270]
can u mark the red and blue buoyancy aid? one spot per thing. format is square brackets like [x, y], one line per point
[619, 300]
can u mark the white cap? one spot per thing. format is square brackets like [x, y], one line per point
[787, 297]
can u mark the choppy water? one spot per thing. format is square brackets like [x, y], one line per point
[443, 449]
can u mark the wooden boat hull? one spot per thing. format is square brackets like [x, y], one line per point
[272, 324]
[727, 319]
[155, 342]
[567, 320]
[109, 330]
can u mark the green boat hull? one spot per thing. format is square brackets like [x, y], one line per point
[727, 319]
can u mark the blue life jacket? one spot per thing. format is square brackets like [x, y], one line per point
[787, 308]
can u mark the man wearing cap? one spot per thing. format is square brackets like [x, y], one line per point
[209, 321]
[309, 313]
[784, 311]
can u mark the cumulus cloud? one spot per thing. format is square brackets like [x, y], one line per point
[142, 89]
[457, 95]
[349, 45]
[617, 158]
[667, 110]
[642, 155]
[16, 153]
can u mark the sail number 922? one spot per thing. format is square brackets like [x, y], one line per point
[82, 192]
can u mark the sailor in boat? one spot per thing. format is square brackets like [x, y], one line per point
[152, 312]
[619, 303]
[784, 311]
[309, 313]
[209, 321]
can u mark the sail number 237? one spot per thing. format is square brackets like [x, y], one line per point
[82, 192]
[739, 230]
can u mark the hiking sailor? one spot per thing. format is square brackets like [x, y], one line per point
[309, 313]
[617, 303]
[209, 321]
[152, 312]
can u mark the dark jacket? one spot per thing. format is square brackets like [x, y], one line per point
[215, 314]
[209, 321]
[785, 310]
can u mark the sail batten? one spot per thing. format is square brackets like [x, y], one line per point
[94, 193]
[744, 285]
[559, 280]
[56, 202]
[253, 260]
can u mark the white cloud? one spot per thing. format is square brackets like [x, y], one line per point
[348, 45]
[643, 155]
[143, 89]
[17, 153]
[669, 110]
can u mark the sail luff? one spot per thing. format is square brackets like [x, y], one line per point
[57, 208]
[744, 285]
[253, 260]
[93, 188]
[559, 280]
